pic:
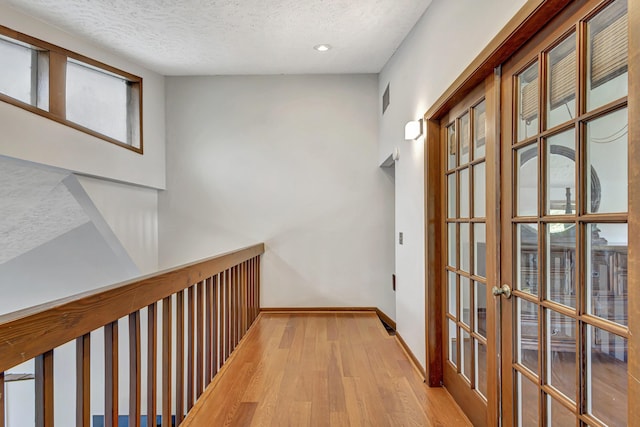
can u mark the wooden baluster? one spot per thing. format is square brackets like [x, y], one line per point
[44, 389]
[214, 327]
[200, 338]
[152, 364]
[227, 314]
[190, 336]
[207, 330]
[179, 357]
[166, 362]
[111, 374]
[2, 412]
[83, 380]
[135, 368]
[221, 314]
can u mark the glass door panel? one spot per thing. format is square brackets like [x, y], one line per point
[565, 222]
[465, 273]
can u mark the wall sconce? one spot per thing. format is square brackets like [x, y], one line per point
[413, 130]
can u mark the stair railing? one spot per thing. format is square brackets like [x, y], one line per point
[195, 316]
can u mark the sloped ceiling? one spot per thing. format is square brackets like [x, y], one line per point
[209, 37]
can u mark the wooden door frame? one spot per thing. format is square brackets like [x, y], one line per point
[528, 21]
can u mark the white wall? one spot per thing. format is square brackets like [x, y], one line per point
[28, 136]
[132, 214]
[289, 161]
[444, 41]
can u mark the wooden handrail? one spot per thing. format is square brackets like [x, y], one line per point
[223, 301]
[27, 333]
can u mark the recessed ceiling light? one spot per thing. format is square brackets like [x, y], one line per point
[322, 47]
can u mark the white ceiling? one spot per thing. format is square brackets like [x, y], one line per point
[208, 37]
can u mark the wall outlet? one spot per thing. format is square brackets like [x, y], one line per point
[400, 237]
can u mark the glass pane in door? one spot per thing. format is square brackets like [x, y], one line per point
[561, 353]
[527, 181]
[561, 174]
[464, 193]
[479, 190]
[479, 130]
[465, 141]
[480, 249]
[453, 342]
[480, 308]
[452, 146]
[527, 258]
[465, 300]
[607, 378]
[607, 271]
[451, 196]
[452, 299]
[481, 368]
[561, 88]
[527, 337]
[607, 52]
[527, 122]
[607, 139]
[558, 414]
[561, 262]
[528, 396]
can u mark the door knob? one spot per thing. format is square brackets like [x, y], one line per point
[504, 290]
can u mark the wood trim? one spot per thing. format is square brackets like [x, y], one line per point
[38, 329]
[526, 22]
[416, 363]
[633, 10]
[386, 319]
[44, 389]
[83, 380]
[434, 254]
[57, 84]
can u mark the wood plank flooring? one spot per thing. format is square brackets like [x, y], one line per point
[321, 369]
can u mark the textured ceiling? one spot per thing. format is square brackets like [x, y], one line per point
[204, 37]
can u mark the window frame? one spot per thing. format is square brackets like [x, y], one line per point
[57, 87]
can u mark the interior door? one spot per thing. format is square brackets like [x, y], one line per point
[564, 227]
[468, 335]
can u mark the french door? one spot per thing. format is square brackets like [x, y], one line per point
[537, 174]
[564, 227]
[469, 323]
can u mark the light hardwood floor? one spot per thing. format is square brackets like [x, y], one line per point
[321, 369]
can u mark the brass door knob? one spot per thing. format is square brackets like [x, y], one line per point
[504, 290]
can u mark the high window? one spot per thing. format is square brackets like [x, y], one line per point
[71, 89]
